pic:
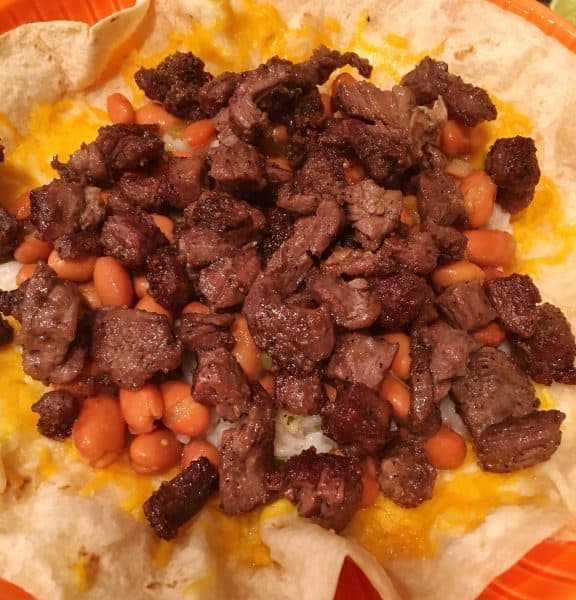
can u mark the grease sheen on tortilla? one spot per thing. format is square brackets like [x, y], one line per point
[67, 531]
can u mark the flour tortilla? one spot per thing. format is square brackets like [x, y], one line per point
[63, 545]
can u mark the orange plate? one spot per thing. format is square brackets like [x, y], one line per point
[547, 571]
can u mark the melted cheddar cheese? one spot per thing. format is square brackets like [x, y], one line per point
[236, 40]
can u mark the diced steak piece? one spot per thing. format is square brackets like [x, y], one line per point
[178, 500]
[199, 247]
[200, 332]
[428, 80]
[6, 332]
[10, 302]
[300, 394]
[518, 443]
[175, 82]
[512, 163]
[247, 456]
[146, 192]
[322, 172]
[214, 95]
[278, 81]
[296, 338]
[238, 167]
[78, 245]
[515, 298]
[450, 349]
[548, 355]
[72, 366]
[132, 345]
[63, 207]
[405, 475]
[277, 230]
[326, 488]
[358, 420]
[492, 390]
[417, 252]
[361, 358]
[117, 148]
[227, 280]
[439, 199]
[373, 211]
[426, 126]
[299, 203]
[58, 411]
[384, 152]
[186, 177]
[219, 381]
[9, 234]
[353, 262]
[165, 273]
[321, 229]
[49, 315]
[235, 220]
[363, 100]
[424, 416]
[513, 166]
[131, 238]
[451, 242]
[352, 304]
[84, 386]
[468, 103]
[402, 297]
[289, 265]
[308, 112]
[466, 306]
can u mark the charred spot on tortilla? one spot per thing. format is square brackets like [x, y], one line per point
[273, 263]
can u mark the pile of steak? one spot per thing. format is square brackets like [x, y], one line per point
[296, 218]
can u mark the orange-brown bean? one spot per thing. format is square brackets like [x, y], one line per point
[148, 304]
[182, 414]
[112, 282]
[165, 225]
[456, 272]
[155, 452]
[199, 133]
[72, 269]
[140, 285]
[455, 139]
[99, 432]
[402, 361]
[194, 449]
[31, 249]
[446, 449]
[245, 350]
[196, 307]
[327, 104]
[280, 162]
[331, 392]
[267, 382]
[155, 114]
[490, 335]
[490, 247]
[409, 215]
[397, 394]
[142, 407]
[120, 109]
[370, 487]
[24, 273]
[343, 78]
[479, 193]
[21, 208]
